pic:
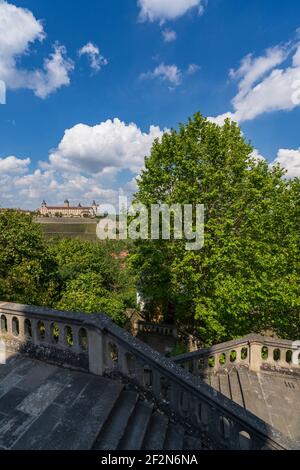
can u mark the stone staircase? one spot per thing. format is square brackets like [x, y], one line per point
[76, 381]
[47, 407]
[135, 425]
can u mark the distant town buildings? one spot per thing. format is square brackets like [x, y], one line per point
[68, 211]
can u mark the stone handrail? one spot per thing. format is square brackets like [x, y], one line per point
[141, 326]
[95, 343]
[254, 351]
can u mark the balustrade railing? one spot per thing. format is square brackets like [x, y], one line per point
[254, 351]
[158, 328]
[95, 343]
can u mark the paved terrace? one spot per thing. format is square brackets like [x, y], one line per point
[74, 381]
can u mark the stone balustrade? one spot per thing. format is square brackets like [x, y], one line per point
[158, 328]
[254, 351]
[96, 344]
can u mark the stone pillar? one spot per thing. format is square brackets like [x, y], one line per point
[76, 347]
[255, 359]
[96, 352]
[22, 336]
[9, 324]
[34, 330]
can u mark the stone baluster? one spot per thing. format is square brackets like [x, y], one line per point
[97, 352]
[9, 325]
[61, 336]
[22, 335]
[217, 362]
[76, 346]
[48, 333]
[255, 356]
[122, 362]
[282, 361]
[35, 333]
[270, 359]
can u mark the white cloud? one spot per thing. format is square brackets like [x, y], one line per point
[168, 73]
[85, 166]
[11, 165]
[192, 69]
[265, 87]
[169, 35]
[95, 58]
[107, 147]
[54, 75]
[219, 120]
[290, 160]
[19, 29]
[31, 189]
[252, 69]
[162, 10]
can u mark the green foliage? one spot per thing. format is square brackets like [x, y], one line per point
[94, 278]
[246, 278]
[27, 271]
[86, 293]
[66, 274]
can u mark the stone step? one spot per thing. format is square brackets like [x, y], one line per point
[81, 423]
[114, 428]
[156, 433]
[174, 438]
[137, 427]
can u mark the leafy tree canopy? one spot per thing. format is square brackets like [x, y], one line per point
[65, 274]
[27, 270]
[246, 278]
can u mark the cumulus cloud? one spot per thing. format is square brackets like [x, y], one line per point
[84, 166]
[290, 160]
[28, 190]
[19, 29]
[162, 10]
[169, 35]
[167, 73]
[110, 145]
[264, 86]
[95, 58]
[11, 165]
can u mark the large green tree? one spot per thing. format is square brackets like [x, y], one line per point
[246, 277]
[28, 273]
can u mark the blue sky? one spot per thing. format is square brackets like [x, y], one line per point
[90, 84]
